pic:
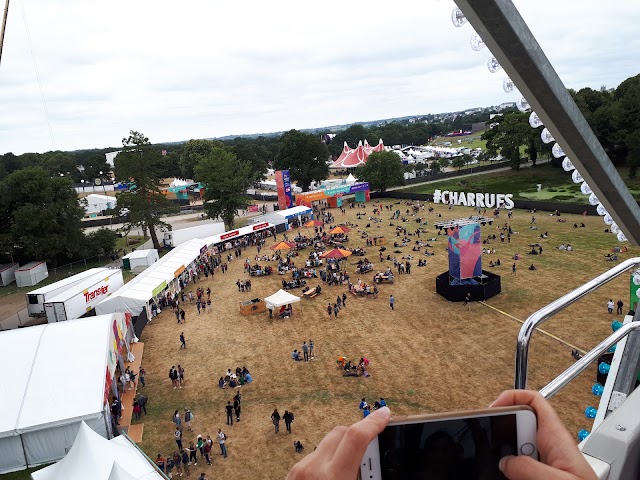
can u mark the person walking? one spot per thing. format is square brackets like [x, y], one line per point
[288, 418]
[229, 409]
[610, 306]
[221, 439]
[275, 418]
[188, 416]
[193, 456]
[335, 310]
[392, 302]
[310, 348]
[178, 437]
[236, 407]
[177, 420]
[513, 269]
[183, 343]
[185, 462]
[620, 304]
[344, 300]
[329, 309]
[142, 401]
[305, 351]
[137, 410]
[467, 300]
[207, 451]
[141, 374]
[177, 462]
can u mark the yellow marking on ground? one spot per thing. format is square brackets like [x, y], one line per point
[573, 347]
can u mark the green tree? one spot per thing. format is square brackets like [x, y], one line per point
[633, 157]
[249, 152]
[225, 179]
[101, 242]
[444, 163]
[435, 166]
[382, 170]
[304, 155]
[512, 131]
[40, 215]
[193, 151]
[140, 164]
[458, 162]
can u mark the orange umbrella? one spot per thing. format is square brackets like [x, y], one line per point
[339, 230]
[314, 223]
[336, 253]
[283, 246]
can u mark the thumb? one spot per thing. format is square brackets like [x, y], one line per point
[526, 468]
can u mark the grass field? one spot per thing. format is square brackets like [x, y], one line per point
[556, 184]
[467, 141]
[428, 355]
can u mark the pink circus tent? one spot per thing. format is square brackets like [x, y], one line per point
[354, 157]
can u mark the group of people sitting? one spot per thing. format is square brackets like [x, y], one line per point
[568, 247]
[350, 369]
[258, 270]
[304, 273]
[364, 290]
[386, 275]
[235, 380]
[364, 266]
[358, 252]
[295, 283]
[422, 263]
[494, 264]
[285, 311]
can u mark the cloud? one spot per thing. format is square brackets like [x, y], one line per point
[198, 68]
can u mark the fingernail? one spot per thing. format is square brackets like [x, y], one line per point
[384, 411]
[503, 462]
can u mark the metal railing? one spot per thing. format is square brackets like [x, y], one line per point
[542, 315]
[574, 370]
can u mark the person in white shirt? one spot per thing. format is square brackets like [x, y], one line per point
[221, 439]
[610, 305]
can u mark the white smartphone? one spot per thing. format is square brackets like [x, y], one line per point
[466, 445]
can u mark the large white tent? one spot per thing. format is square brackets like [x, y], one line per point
[55, 376]
[96, 458]
[280, 298]
[136, 294]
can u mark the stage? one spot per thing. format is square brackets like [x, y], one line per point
[486, 286]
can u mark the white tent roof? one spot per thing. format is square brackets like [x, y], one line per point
[179, 182]
[281, 298]
[351, 179]
[140, 253]
[97, 458]
[119, 473]
[35, 392]
[293, 211]
[134, 295]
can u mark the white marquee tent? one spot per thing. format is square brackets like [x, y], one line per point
[55, 376]
[96, 458]
[280, 298]
[135, 295]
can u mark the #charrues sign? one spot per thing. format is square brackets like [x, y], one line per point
[477, 200]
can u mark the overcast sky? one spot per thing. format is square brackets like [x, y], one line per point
[204, 68]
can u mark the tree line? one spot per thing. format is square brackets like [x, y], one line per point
[41, 215]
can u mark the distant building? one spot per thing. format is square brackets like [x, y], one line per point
[478, 127]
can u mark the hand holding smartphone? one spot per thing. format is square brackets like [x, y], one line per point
[464, 445]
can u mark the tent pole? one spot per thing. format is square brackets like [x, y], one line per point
[4, 26]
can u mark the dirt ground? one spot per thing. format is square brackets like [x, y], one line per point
[428, 355]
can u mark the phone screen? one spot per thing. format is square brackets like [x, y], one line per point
[457, 449]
